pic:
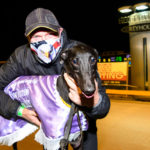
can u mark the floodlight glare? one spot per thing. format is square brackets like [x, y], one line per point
[125, 9]
[141, 6]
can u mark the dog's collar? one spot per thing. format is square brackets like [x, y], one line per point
[68, 105]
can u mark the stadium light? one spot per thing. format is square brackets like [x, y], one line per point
[125, 9]
[137, 7]
[142, 6]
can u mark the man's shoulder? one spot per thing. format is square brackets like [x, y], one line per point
[22, 48]
[22, 51]
[21, 55]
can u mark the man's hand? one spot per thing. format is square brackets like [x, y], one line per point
[75, 93]
[31, 116]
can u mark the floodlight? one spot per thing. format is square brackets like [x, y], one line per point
[125, 9]
[142, 6]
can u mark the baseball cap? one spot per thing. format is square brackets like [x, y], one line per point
[41, 18]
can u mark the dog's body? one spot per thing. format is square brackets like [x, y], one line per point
[80, 63]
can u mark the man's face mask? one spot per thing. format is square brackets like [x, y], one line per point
[46, 50]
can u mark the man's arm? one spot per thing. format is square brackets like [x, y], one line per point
[8, 72]
[8, 107]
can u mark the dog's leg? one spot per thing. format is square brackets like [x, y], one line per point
[77, 144]
[15, 146]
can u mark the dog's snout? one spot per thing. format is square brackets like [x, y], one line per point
[89, 91]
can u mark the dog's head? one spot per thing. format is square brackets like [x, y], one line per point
[80, 62]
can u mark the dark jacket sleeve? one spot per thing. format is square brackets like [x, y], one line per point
[103, 106]
[8, 72]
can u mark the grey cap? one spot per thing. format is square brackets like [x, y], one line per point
[41, 18]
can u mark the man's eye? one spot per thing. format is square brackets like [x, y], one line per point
[36, 36]
[53, 33]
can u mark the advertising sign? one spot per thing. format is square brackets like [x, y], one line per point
[139, 18]
[115, 71]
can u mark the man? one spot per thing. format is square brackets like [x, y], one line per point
[41, 57]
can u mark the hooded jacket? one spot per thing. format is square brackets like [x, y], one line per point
[22, 62]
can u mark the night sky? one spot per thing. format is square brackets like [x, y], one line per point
[94, 23]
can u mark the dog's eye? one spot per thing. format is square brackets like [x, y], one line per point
[93, 60]
[75, 61]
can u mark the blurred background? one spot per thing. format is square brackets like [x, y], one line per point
[123, 43]
[92, 22]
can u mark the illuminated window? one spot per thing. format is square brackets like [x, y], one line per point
[109, 60]
[113, 59]
[104, 60]
[128, 55]
[125, 59]
[99, 60]
[118, 58]
[99, 57]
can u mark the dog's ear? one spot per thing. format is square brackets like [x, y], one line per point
[63, 56]
[96, 53]
[67, 47]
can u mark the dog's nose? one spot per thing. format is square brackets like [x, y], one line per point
[89, 91]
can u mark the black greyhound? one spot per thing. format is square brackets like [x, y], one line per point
[80, 62]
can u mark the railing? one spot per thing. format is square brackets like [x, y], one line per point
[128, 92]
[2, 62]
